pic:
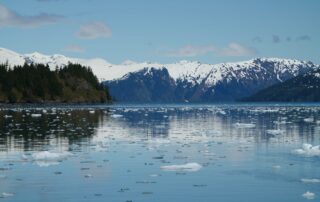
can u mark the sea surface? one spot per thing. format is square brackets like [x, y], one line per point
[166, 153]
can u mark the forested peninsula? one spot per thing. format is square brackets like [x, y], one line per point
[36, 83]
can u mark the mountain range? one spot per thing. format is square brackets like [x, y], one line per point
[197, 82]
[302, 88]
[183, 81]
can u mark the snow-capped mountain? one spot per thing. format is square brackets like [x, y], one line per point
[196, 82]
[181, 81]
[98, 65]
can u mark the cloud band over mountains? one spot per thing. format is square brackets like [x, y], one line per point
[232, 49]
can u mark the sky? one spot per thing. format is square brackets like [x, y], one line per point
[165, 31]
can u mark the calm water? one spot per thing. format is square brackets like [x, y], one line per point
[231, 153]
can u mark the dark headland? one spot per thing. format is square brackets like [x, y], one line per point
[36, 83]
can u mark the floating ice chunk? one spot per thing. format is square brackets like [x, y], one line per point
[158, 141]
[275, 132]
[309, 195]
[314, 180]
[154, 175]
[24, 157]
[46, 158]
[92, 112]
[190, 167]
[309, 120]
[5, 194]
[276, 167]
[221, 112]
[7, 116]
[88, 175]
[36, 115]
[50, 156]
[308, 150]
[245, 125]
[116, 115]
[280, 122]
[47, 163]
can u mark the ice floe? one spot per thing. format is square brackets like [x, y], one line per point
[6, 195]
[36, 115]
[309, 195]
[309, 120]
[312, 180]
[116, 115]
[308, 150]
[245, 125]
[190, 167]
[46, 158]
[276, 166]
[275, 132]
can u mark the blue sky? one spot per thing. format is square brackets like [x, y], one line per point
[209, 31]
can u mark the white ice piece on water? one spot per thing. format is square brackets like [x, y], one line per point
[5, 194]
[245, 125]
[116, 115]
[309, 120]
[190, 167]
[275, 132]
[308, 150]
[313, 180]
[36, 115]
[309, 195]
[46, 158]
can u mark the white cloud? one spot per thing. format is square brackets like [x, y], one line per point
[11, 18]
[74, 48]
[94, 30]
[237, 50]
[233, 49]
[191, 51]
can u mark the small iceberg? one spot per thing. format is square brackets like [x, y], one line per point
[190, 167]
[275, 132]
[314, 180]
[245, 125]
[46, 158]
[6, 195]
[309, 195]
[309, 120]
[36, 115]
[116, 115]
[50, 156]
[276, 167]
[308, 150]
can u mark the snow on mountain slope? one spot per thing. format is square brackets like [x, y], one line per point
[184, 80]
[11, 57]
[193, 72]
[99, 66]
[198, 82]
[196, 72]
